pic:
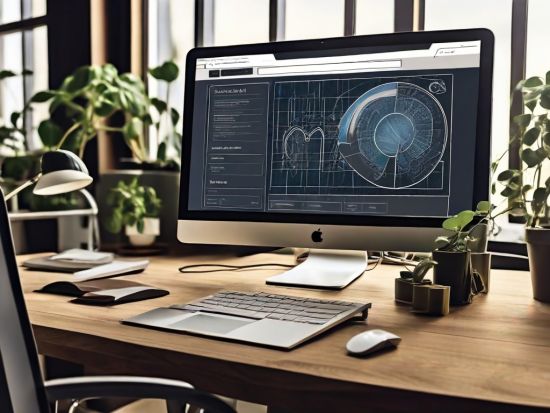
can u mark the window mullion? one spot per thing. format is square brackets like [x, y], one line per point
[277, 9]
[204, 22]
[349, 17]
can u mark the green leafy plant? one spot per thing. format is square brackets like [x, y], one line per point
[526, 188]
[420, 270]
[458, 238]
[169, 148]
[89, 97]
[131, 204]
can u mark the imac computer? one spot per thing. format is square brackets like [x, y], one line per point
[338, 145]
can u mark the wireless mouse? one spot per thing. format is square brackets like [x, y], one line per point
[371, 341]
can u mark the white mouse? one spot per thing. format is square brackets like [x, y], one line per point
[370, 341]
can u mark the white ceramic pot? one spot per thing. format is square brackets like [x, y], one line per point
[151, 229]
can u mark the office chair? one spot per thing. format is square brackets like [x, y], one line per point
[21, 386]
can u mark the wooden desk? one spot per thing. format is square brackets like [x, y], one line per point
[491, 356]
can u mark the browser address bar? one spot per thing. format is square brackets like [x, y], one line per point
[329, 67]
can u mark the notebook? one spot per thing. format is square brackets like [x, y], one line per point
[78, 255]
[87, 271]
[104, 292]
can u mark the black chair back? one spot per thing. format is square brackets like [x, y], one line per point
[21, 386]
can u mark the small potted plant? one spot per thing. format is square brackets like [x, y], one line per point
[452, 255]
[136, 209]
[405, 284]
[528, 187]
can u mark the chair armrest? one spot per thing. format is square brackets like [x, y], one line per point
[93, 387]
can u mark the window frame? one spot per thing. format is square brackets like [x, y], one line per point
[25, 26]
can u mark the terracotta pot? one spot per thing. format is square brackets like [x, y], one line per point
[538, 249]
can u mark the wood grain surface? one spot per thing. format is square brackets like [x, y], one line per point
[491, 356]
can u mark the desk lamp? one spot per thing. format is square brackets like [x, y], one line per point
[61, 172]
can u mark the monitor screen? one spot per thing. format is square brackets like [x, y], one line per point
[362, 131]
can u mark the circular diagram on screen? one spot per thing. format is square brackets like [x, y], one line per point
[394, 135]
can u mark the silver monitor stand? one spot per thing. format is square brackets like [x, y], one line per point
[330, 269]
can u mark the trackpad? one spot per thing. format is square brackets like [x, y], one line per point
[213, 324]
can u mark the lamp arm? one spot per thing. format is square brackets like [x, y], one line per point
[91, 201]
[23, 186]
[95, 224]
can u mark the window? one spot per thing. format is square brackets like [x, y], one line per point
[437, 18]
[538, 35]
[231, 16]
[305, 20]
[23, 47]
[374, 16]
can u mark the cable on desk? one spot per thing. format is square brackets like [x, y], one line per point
[188, 269]
[378, 261]
[225, 267]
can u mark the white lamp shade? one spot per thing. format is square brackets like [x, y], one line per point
[60, 182]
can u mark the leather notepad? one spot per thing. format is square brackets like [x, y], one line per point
[103, 292]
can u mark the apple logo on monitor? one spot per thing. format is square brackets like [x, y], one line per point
[317, 236]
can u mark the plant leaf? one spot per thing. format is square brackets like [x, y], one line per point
[49, 133]
[483, 207]
[465, 217]
[510, 192]
[539, 195]
[545, 98]
[80, 79]
[531, 136]
[451, 223]
[104, 107]
[546, 139]
[6, 73]
[140, 226]
[531, 104]
[421, 269]
[507, 174]
[161, 153]
[530, 157]
[175, 115]
[133, 129]
[160, 105]
[533, 82]
[14, 117]
[442, 241]
[168, 72]
[523, 120]
[43, 96]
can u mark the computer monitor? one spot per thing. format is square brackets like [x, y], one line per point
[352, 143]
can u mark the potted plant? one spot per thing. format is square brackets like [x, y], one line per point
[161, 170]
[136, 209]
[528, 187]
[453, 258]
[405, 284]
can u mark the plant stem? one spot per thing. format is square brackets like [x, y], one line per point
[108, 128]
[66, 135]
